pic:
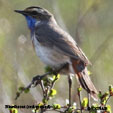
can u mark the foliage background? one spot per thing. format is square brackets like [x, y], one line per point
[90, 22]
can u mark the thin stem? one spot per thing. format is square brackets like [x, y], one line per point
[70, 88]
[107, 100]
[89, 104]
[53, 83]
[79, 95]
[42, 86]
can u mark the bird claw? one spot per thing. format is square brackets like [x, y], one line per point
[36, 80]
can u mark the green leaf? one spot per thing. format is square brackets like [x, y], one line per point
[100, 94]
[26, 90]
[70, 110]
[53, 92]
[40, 104]
[103, 102]
[21, 88]
[58, 76]
[56, 106]
[85, 102]
[108, 108]
[54, 77]
[14, 110]
[79, 89]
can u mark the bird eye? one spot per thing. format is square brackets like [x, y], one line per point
[34, 13]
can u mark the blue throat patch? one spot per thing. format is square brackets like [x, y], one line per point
[31, 22]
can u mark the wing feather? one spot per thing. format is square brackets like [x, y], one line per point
[59, 40]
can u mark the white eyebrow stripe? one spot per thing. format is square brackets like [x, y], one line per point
[38, 10]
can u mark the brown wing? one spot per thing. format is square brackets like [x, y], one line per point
[59, 40]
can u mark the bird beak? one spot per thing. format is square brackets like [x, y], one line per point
[21, 12]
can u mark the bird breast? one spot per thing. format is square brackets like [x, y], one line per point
[48, 55]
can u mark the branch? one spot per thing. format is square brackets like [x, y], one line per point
[47, 84]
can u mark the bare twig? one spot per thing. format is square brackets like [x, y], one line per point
[89, 104]
[107, 100]
[70, 88]
[79, 95]
[35, 81]
[47, 94]
[42, 86]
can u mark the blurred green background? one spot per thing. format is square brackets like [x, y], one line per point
[90, 22]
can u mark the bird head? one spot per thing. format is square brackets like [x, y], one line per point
[35, 15]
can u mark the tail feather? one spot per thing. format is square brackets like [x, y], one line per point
[82, 75]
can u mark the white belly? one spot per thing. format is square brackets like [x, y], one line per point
[48, 56]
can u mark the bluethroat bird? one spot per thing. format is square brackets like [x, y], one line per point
[55, 47]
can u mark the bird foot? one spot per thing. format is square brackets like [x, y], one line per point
[36, 80]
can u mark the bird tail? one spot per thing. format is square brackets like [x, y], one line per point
[82, 76]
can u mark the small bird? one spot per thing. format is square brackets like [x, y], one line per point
[55, 47]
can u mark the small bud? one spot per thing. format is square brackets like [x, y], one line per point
[103, 102]
[74, 105]
[85, 102]
[100, 94]
[108, 109]
[13, 110]
[70, 110]
[79, 89]
[111, 90]
[53, 92]
[44, 101]
[54, 77]
[67, 101]
[58, 76]
[56, 106]
[104, 98]
[40, 104]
